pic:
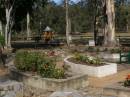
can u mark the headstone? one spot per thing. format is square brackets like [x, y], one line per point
[66, 94]
[91, 43]
[70, 38]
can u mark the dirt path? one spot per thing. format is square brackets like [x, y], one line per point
[102, 82]
[3, 71]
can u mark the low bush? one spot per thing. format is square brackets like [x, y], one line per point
[28, 61]
[116, 50]
[90, 49]
[127, 81]
[37, 62]
[48, 69]
[87, 59]
[58, 73]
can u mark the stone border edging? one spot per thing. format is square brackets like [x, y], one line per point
[75, 82]
[100, 71]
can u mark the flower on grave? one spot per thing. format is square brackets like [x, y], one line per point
[90, 58]
[51, 53]
[128, 77]
[127, 81]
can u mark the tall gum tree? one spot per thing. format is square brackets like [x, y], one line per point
[9, 21]
[28, 26]
[109, 35]
[68, 22]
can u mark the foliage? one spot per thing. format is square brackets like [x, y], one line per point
[83, 41]
[87, 59]
[2, 40]
[38, 62]
[127, 81]
[125, 49]
[28, 61]
[58, 73]
[48, 69]
[90, 49]
[115, 50]
[51, 14]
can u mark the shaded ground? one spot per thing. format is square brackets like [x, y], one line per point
[33, 44]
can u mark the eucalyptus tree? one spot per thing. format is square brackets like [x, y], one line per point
[109, 17]
[33, 6]
[11, 8]
[67, 23]
[105, 19]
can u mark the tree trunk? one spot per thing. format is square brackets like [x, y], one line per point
[7, 27]
[95, 30]
[9, 39]
[1, 30]
[110, 24]
[67, 24]
[28, 26]
[95, 22]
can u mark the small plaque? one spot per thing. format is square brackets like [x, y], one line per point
[91, 43]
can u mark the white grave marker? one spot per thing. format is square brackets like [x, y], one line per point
[91, 43]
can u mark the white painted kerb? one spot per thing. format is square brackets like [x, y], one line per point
[100, 71]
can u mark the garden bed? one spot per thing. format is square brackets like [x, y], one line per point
[73, 60]
[98, 71]
[50, 84]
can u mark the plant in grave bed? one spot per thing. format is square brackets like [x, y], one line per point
[127, 81]
[87, 59]
[28, 61]
[38, 62]
[80, 57]
[125, 49]
[90, 49]
[95, 61]
[115, 50]
[105, 49]
[48, 69]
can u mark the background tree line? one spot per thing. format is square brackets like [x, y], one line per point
[81, 16]
[53, 15]
[33, 16]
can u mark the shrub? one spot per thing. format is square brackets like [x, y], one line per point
[28, 61]
[58, 73]
[116, 50]
[48, 69]
[87, 59]
[2, 40]
[35, 61]
[81, 57]
[95, 61]
[127, 81]
[90, 49]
